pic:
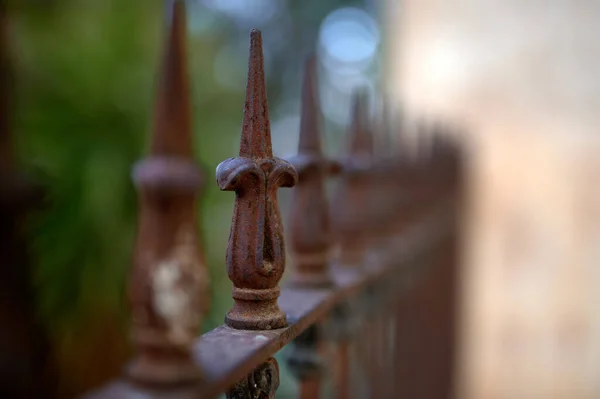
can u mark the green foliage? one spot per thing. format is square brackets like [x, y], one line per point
[85, 78]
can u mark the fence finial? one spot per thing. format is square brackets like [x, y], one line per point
[255, 253]
[361, 138]
[353, 197]
[172, 114]
[169, 283]
[256, 130]
[310, 232]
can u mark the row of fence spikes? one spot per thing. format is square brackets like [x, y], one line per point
[169, 283]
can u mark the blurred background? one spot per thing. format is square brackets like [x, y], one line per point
[520, 77]
[85, 78]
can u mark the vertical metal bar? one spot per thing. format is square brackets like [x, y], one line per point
[342, 327]
[351, 202]
[168, 286]
[306, 363]
[310, 389]
[371, 370]
[256, 254]
[425, 329]
[388, 349]
[342, 376]
[310, 230]
[350, 212]
[310, 225]
[261, 383]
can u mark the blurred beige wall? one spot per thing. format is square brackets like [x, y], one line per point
[524, 77]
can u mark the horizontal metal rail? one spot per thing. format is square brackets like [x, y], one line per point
[390, 221]
[227, 355]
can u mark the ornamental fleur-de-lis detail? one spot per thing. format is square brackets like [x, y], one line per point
[255, 253]
[310, 233]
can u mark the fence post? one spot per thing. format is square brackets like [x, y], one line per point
[255, 253]
[350, 201]
[261, 383]
[169, 282]
[351, 214]
[310, 233]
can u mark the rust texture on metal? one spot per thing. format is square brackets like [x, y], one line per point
[352, 311]
[342, 327]
[350, 204]
[168, 284]
[227, 355]
[255, 252]
[342, 370]
[310, 225]
[261, 383]
[374, 340]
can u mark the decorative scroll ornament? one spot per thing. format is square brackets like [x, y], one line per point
[262, 383]
[169, 283]
[255, 253]
[310, 234]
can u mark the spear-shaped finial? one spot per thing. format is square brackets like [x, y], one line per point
[255, 254]
[353, 202]
[172, 115]
[169, 283]
[387, 120]
[310, 117]
[310, 232]
[256, 129]
[361, 138]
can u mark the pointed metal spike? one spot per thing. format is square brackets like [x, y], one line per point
[256, 129]
[310, 137]
[173, 114]
[384, 129]
[168, 176]
[361, 139]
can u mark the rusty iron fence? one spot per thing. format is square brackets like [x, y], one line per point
[369, 303]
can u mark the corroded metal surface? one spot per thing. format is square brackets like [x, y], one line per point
[227, 355]
[255, 253]
[169, 282]
[261, 383]
[310, 225]
[395, 203]
[342, 371]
